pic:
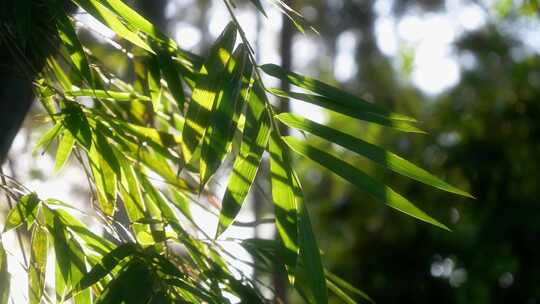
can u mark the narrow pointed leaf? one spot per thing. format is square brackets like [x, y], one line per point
[285, 202]
[48, 137]
[25, 210]
[360, 179]
[105, 266]
[108, 18]
[205, 93]
[70, 40]
[38, 263]
[332, 94]
[353, 112]
[5, 280]
[343, 285]
[64, 150]
[254, 142]
[310, 258]
[222, 124]
[379, 155]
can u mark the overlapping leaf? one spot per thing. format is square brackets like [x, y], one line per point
[379, 155]
[360, 179]
[254, 142]
[207, 89]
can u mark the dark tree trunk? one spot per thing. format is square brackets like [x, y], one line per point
[27, 36]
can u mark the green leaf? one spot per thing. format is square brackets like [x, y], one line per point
[360, 179]
[107, 94]
[104, 167]
[254, 142]
[222, 125]
[108, 18]
[379, 155]
[70, 40]
[75, 121]
[337, 284]
[206, 91]
[259, 6]
[133, 19]
[332, 94]
[310, 258]
[285, 201]
[25, 210]
[132, 285]
[354, 112]
[107, 263]
[38, 263]
[48, 137]
[171, 73]
[63, 152]
[5, 280]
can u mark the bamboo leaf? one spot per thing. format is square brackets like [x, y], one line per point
[104, 15]
[309, 255]
[360, 179]
[204, 95]
[350, 111]
[336, 284]
[5, 279]
[222, 125]
[254, 142]
[105, 266]
[333, 94]
[63, 152]
[48, 137]
[379, 155]
[25, 210]
[259, 6]
[70, 40]
[75, 121]
[285, 202]
[38, 263]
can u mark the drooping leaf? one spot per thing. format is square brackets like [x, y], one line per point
[171, 74]
[360, 179]
[351, 111]
[259, 6]
[246, 165]
[338, 285]
[309, 256]
[108, 18]
[70, 40]
[25, 211]
[285, 201]
[379, 155]
[63, 152]
[222, 125]
[5, 278]
[105, 266]
[38, 263]
[48, 137]
[333, 94]
[104, 167]
[207, 89]
[76, 122]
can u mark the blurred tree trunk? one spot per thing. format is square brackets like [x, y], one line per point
[22, 56]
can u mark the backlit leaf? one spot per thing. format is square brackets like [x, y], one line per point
[360, 179]
[254, 141]
[207, 89]
[379, 155]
